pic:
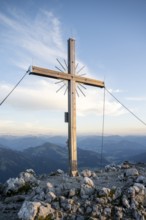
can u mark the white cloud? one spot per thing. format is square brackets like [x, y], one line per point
[39, 38]
[6, 123]
[94, 104]
[139, 99]
[35, 41]
[41, 95]
[116, 90]
[38, 41]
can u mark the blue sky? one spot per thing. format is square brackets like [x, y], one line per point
[110, 42]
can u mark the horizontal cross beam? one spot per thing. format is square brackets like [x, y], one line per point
[65, 76]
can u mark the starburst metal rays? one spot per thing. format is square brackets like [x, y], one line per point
[65, 63]
[80, 69]
[63, 67]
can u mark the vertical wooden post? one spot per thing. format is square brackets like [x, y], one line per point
[72, 110]
[70, 116]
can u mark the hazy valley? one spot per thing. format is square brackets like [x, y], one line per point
[46, 154]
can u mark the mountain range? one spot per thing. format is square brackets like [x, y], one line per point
[45, 154]
[43, 159]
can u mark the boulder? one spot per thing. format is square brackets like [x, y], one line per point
[131, 172]
[50, 196]
[25, 180]
[110, 167]
[45, 210]
[14, 184]
[107, 212]
[35, 210]
[141, 179]
[125, 202]
[86, 173]
[89, 182]
[60, 172]
[29, 210]
[49, 187]
[72, 192]
[104, 192]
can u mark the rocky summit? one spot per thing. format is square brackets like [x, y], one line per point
[116, 192]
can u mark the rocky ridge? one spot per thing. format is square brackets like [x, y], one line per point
[117, 192]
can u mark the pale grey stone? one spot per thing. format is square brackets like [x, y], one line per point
[131, 192]
[131, 172]
[14, 184]
[110, 167]
[59, 171]
[107, 211]
[49, 187]
[88, 181]
[117, 193]
[125, 202]
[50, 196]
[88, 210]
[94, 175]
[140, 179]
[29, 210]
[72, 192]
[86, 173]
[101, 201]
[64, 197]
[104, 191]
[121, 177]
[28, 176]
[140, 186]
[45, 210]
[25, 178]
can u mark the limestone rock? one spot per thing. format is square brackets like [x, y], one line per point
[110, 167]
[131, 172]
[125, 202]
[86, 173]
[45, 210]
[49, 197]
[88, 210]
[60, 172]
[107, 212]
[49, 187]
[34, 210]
[26, 179]
[104, 192]
[117, 194]
[141, 179]
[14, 184]
[89, 182]
[72, 192]
[29, 210]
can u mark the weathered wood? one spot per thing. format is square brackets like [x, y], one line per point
[70, 117]
[72, 145]
[59, 75]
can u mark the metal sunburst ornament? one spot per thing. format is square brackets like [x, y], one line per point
[63, 67]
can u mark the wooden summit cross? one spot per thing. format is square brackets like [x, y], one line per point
[72, 79]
